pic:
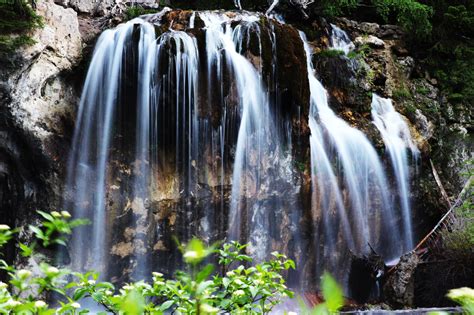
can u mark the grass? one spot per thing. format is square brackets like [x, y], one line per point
[330, 53]
[401, 94]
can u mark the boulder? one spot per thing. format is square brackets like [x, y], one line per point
[41, 96]
[369, 40]
[398, 288]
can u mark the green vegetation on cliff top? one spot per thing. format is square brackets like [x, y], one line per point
[17, 20]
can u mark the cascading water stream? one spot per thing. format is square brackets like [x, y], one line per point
[397, 138]
[87, 163]
[272, 6]
[340, 40]
[358, 206]
[258, 140]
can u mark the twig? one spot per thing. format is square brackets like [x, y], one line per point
[440, 184]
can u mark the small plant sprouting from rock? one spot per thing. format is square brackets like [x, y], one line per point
[136, 11]
[330, 53]
[401, 94]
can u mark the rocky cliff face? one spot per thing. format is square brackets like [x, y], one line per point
[38, 103]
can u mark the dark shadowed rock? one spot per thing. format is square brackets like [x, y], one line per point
[398, 289]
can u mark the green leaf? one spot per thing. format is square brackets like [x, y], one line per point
[203, 286]
[332, 293]
[79, 294]
[194, 252]
[204, 273]
[45, 215]
[26, 251]
[60, 242]
[133, 304]
[226, 282]
[37, 231]
[253, 291]
[166, 305]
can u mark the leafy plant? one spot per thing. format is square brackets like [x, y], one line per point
[402, 93]
[413, 16]
[460, 237]
[17, 19]
[464, 297]
[333, 298]
[238, 288]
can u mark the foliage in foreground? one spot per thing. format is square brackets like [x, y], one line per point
[235, 288]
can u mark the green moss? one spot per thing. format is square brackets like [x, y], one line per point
[456, 97]
[9, 44]
[352, 55]
[410, 107]
[300, 166]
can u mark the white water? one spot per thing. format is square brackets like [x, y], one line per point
[88, 169]
[88, 160]
[272, 6]
[172, 130]
[350, 190]
[340, 40]
[224, 45]
[397, 138]
[237, 4]
[167, 115]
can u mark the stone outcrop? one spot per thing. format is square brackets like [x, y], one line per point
[41, 95]
[399, 287]
[38, 103]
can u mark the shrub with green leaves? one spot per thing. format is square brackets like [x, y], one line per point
[464, 297]
[17, 20]
[237, 287]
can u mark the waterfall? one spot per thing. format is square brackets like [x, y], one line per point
[350, 189]
[99, 121]
[340, 40]
[189, 128]
[397, 138]
[237, 4]
[272, 6]
[92, 136]
[258, 150]
[255, 122]
[146, 136]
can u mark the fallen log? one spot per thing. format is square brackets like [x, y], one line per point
[456, 204]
